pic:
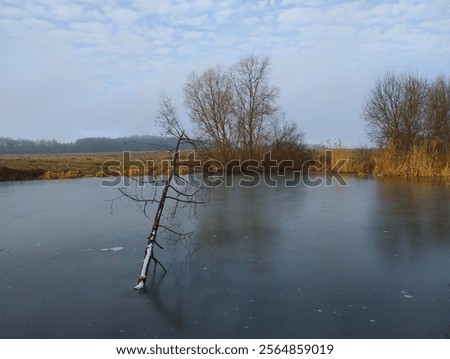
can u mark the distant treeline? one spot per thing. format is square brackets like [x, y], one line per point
[86, 145]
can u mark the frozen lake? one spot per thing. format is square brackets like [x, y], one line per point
[370, 260]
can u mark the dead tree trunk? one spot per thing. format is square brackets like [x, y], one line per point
[179, 196]
[175, 187]
[149, 250]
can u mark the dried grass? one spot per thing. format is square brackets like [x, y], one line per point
[62, 166]
[357, 160]
[424, 160]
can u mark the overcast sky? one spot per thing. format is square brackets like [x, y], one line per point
[71, 69]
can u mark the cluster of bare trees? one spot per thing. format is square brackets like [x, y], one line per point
[406, 111]
[235, 111]
[236, 117]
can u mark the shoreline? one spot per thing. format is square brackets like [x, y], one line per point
[23, 167]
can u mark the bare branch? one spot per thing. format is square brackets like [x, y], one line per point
[185, 201]
[197, 191]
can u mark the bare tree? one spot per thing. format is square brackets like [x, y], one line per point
[233, 109]
[288, 142]
[165, 187]
[395, 111]
[438, 113]
[286, 134]
[209, 99]
[254, 101]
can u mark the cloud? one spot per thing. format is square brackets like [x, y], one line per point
[193, 35]
[224, 15]
[67, 11]
[169, 8]
[91, 27]
[300, 16]
[10, 12]
[122, 16]
[61, 60]
[195, 21]
[250, 21]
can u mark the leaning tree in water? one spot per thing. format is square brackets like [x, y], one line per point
[169, 185]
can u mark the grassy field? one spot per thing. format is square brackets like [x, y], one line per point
[360, 161]
[59, 166]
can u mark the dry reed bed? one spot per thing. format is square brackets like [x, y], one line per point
[422, 161]
[354, 160]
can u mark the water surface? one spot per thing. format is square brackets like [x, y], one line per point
[370, 260]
